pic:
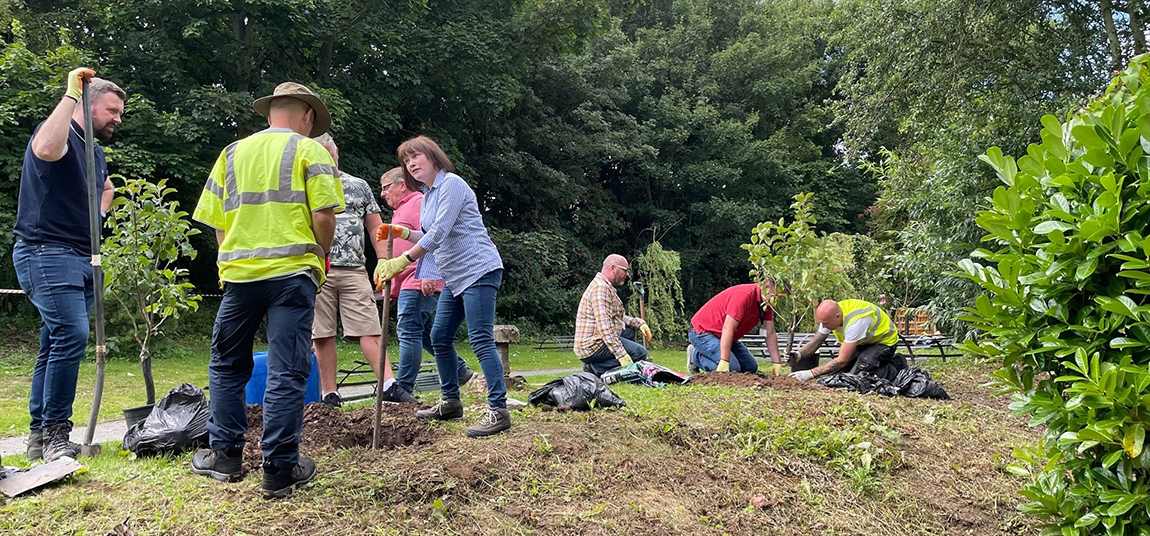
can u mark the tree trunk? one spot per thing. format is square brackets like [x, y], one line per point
[146, 367]
[1134, 9]
[238, 20]
[1111, 34]
[323, 72]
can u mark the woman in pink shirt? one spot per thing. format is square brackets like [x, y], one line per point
[416, 298]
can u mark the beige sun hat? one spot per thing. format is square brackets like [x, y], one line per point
[301, 92]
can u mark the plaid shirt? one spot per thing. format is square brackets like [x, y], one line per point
[600, 320]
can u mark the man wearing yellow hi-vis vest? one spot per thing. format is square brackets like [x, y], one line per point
[272, 199]
[867, 338]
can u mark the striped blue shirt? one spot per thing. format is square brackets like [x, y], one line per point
[454, 234]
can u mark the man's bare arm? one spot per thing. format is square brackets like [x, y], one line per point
[845, 352]
[323, 226]
[51, 142]
[106, 198]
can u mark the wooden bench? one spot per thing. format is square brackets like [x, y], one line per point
[556, 342]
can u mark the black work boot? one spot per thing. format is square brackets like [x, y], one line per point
[332, 400]
[445, 409]
[397, 393]
[56, 444]
[278, 482]
[494, 420]
[35, 446]
[222, 465]
[466, 377]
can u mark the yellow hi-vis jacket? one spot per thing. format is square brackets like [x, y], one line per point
[261, 194]
[881, 331]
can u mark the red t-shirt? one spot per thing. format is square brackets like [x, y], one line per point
[741, 302]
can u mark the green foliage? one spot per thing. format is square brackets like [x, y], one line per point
[536, 293]
[658, 270]
[150, 234]
[585, 121]
[1067, 275]
[941, 80]
[803, 264]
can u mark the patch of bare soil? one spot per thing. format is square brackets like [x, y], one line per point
[742, 379]
[325, 427]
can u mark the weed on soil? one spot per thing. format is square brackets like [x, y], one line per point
[742, 379]
[707, 458]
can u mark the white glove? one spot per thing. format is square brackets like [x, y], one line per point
[802, 375]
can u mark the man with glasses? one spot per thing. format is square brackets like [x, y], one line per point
[416, 298]
[348, 290]
[604, 335]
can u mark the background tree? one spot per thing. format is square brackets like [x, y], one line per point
[657, 269]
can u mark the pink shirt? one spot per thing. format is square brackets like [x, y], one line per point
[407, 215]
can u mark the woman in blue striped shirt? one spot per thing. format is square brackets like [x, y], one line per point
[452, 232]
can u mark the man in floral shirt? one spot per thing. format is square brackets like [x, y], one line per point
[348, 289]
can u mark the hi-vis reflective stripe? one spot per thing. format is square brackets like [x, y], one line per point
[319, 169]
[291, 250]
[874, 325]
[286, 161]
[283, 194]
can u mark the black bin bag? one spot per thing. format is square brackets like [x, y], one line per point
[179, 421]
[580, 391]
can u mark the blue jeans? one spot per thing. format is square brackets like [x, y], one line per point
[477, 305]
[289, 305]
[707, 353]
[603, 360]
[58, 281]
[414, 317]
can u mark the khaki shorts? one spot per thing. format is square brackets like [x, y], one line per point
[347, 290]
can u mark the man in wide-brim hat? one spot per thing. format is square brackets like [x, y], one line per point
[321, 119]
[272, 199]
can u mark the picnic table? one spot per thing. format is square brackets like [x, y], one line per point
[556, 342]
[942, 344]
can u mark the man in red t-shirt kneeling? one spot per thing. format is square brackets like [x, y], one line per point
[722, 321]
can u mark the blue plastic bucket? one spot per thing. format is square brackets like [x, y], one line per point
[254, 391]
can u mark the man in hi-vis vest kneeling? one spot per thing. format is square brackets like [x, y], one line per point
[867, 339]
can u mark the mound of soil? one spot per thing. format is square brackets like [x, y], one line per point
[742, 379]
[325, 427]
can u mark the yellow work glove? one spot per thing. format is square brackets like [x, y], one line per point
[776, 369]
[625, 360]
[397, 231]
[75, 88]
[646, 331]
[724, 366]
[386, 269]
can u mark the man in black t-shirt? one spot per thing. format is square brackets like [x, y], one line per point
[53, 250]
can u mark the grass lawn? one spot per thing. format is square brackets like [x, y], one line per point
[187, 362]
[679, 460]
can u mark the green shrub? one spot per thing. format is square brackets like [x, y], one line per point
[1067, 275]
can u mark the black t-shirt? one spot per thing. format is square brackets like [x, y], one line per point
[53, 203]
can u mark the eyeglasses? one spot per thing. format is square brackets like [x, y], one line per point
[389, 185]
[624, 268]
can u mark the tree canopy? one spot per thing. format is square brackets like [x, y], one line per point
[590, 127]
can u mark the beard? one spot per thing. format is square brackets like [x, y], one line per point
[103, 133]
